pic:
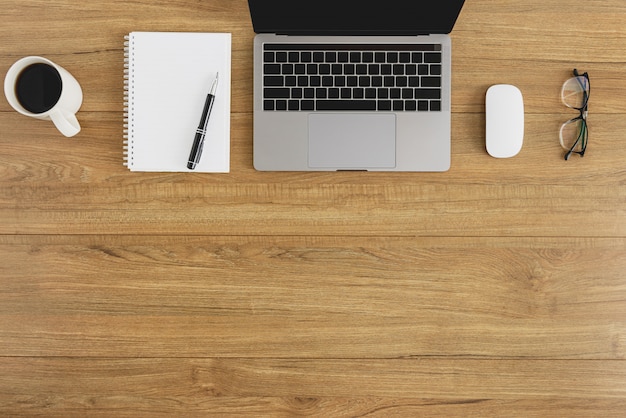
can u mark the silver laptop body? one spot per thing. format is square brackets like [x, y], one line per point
[345, 99]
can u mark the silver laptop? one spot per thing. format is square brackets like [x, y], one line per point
[352, 84]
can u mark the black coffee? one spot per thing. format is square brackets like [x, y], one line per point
[38, 87]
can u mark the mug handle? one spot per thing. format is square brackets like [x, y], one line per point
[65, 122]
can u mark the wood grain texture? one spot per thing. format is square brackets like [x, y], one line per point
[380, 388]
[497, 288]
[320, 297]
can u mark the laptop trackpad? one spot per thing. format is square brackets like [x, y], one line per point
[352, 140]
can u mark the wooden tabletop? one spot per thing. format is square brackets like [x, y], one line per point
[497, 288]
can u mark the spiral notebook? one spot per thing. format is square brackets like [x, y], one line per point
[167, 78]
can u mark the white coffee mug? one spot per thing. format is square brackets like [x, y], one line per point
[41, 89]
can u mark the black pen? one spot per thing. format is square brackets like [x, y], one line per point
[198, 140]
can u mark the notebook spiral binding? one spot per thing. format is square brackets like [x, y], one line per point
[128, 153]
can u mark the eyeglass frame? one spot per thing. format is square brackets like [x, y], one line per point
[584, 130]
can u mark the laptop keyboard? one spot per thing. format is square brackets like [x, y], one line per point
[352, 77]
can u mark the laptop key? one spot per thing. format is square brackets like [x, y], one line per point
[346, 104]
[427, 94]
[431, 81]
[281, 104]
[276, 93]
[287, 69]
[273, 80]
[432, 57]
[327, 81]
[271, 68]
[384, 105]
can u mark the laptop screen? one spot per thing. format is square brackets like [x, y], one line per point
[354, 17]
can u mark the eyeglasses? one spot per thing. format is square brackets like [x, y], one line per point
[574, 132]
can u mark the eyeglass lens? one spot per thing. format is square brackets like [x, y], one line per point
[574, 135]
[575, 92]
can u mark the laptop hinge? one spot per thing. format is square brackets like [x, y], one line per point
[349, 34]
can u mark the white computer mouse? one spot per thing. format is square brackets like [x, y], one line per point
[504, 108]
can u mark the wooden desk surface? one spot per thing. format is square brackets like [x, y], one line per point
[496, 288]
